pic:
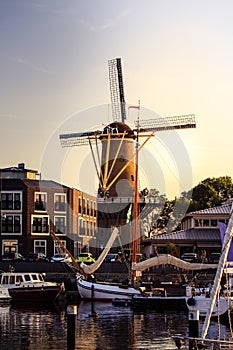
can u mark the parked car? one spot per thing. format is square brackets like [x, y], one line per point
[214, 258]
[139, 257]
[190, 257]
[110, 257]
[61, 258]
[87, 258]
[12, 256]
[36, 257]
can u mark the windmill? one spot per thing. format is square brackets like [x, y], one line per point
[116, 167]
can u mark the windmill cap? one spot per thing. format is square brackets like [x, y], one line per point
[118, 128]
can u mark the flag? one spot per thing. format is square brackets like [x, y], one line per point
[223, 228]
[128, 215]
[137, 107]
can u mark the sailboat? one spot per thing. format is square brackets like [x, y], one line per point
[222, 265]
[89, 289]
[192, 298]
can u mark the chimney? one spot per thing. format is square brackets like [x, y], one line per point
[21, 166]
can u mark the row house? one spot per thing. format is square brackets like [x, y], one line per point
[32, 208]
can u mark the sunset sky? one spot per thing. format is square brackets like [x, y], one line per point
[177, 58]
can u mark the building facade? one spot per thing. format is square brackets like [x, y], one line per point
[32, 208]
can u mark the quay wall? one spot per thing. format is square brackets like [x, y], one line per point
[113, 272]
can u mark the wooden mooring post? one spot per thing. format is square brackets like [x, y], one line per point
[71, 325]
[193, 327]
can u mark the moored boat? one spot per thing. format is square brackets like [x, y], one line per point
[200, 299]
[91, 290]
[4, 295]
[159, 301]
[29, 286]
[202, 303]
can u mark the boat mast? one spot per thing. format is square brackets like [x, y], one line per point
[218, 276]
[136, 195]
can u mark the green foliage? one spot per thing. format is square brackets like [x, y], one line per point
[172, 249]
[167, 217]
[211, 192]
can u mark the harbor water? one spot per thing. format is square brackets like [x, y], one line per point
[30, 327]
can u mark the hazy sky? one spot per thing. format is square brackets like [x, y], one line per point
[177, 58]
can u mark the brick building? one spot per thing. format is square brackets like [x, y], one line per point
[32, 208]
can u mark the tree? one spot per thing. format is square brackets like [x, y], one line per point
[171, 249]
[154, 217]
[167, 215]
[210, 192]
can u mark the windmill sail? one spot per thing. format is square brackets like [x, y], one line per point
[117, 90]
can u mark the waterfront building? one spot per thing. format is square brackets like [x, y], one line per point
[32, 208]
[199, 232]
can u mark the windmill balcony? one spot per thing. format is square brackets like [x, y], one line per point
[125, 200]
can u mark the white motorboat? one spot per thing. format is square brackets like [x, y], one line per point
[201, 300]
[4, 295]
[29, 286]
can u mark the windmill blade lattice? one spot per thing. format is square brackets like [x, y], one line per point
[168, 123]
[117, 90]
[79, 138]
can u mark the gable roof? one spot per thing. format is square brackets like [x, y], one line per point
[223, 209]
[188, 235]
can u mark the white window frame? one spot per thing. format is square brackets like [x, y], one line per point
[12, 233]
[9, 241]
[81, 227]
[56, 244]
[60, 216]
[42, 246]
[65, 202]
[40, 233]
[46, 202]
[12, 210]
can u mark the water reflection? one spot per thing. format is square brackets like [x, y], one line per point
[32, 327]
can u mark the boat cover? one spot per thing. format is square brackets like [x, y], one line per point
[89, 269]
[167, 259]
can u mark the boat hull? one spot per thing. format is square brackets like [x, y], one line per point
[202, 303]
[104, 292]
[160, 303]
[4, 295]
[29, 286]
[35, 294]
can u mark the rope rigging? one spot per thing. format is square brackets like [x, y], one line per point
[61, 249]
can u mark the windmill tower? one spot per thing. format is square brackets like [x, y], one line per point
[116, 166]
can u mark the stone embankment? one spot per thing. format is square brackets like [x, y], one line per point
[112, 272]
